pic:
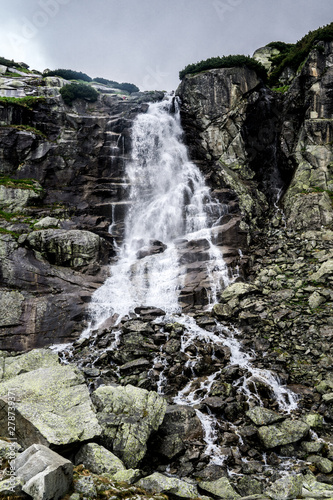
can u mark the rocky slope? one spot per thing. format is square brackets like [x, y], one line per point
[268, 157]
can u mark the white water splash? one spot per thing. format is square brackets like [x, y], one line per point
[195, 392]
[170, 202]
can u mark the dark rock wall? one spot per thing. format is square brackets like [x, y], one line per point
[77, 154]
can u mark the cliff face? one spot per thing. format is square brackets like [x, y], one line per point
[55, 243]
[266, 155]
[267, 147]
[270, 156]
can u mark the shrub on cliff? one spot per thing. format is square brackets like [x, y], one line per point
[74, 91]
[128, 87]
[225, 62]
[295, 54]
[68, 74]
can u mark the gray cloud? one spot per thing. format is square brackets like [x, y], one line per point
[147, 42]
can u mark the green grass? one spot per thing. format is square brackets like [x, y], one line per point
[26, 102]
[6, 231]
[26, 128]
[6, 215]
[281, 90]
[19, 183]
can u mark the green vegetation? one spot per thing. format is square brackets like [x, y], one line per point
[68, 74]
[19, 183]
[127, 87]
[293, 55]
[26, 102]
[27, 128]
[13, 64]
[225, 62]
[17, 217]
[6, 215]
[74, 91]
[282, 89]
[6, 231]
[281, 46]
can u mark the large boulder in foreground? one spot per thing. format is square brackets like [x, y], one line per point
[45, 474]
[11, 366]
[128, 415]
[53, 407]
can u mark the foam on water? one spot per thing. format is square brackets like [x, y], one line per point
[169, 201]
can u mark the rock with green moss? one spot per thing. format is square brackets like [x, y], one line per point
[53, 407]
[129, 476]
[249, 486]
[11, 487]
[262, 416]
[289, 431]
[128, 416]
[16, 199]
[220, 488]
[314, 489]
[286, 488]
[325, 271]
[86, 486]
[158, 483]
[232, 297]
[324, 465]
[98, 459]
[7, 448]
[29, 361]
[11, 303]
[72, 248]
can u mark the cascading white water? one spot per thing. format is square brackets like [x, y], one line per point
[193, 393]
[169, 202]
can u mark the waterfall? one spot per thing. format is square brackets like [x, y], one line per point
[170, 207]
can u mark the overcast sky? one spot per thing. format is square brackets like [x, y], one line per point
[147, 42]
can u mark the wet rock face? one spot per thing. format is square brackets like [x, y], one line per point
[76, 156]
[306, 140]
[259, 144]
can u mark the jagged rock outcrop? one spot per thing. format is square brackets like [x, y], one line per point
[73, 158]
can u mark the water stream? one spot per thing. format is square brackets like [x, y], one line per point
[171, 208]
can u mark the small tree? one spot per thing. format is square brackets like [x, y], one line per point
[74, 91]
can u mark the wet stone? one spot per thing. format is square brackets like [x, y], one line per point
[263, 416]
[133, 365]
[290, 431]
[91, 372]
